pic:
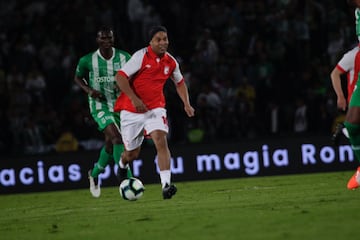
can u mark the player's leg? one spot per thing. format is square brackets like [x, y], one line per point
[112, 132]
[118, 146]
[118, 150]
[159, 138]
[127, 157]
[98, 168]
[131, 132]
[156, 125]
[106, 153]
[352, 124]
[163, 155]
[354, 138]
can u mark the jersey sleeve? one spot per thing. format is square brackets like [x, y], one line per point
[177, 76]
[81, 68]
[133, 65]
[346, 63]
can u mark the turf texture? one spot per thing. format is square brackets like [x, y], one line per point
[305, 206]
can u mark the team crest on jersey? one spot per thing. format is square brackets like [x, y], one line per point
[166, 70]
[100, 114]
[117, 66]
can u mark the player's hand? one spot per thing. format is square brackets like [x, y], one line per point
[116, 87]
[341, 103]
[139, 105]
[189, 111]
[96, 94]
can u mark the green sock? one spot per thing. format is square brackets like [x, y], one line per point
[104, 159]
[354, 138]
[117, 151]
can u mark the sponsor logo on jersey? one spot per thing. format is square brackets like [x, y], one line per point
[100, 114]
[104, 79]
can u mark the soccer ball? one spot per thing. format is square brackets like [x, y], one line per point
[131, 189]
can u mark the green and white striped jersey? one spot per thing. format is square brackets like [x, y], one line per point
[357, 22]
[100, 74]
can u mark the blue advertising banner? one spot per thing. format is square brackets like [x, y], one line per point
[273, 156]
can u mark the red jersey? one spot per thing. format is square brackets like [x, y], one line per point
[350, 64]
[148, 74]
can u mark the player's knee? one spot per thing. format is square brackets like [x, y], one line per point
[116, 140]
[131, 155]
[108, 147]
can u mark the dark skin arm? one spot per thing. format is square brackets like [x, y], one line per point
[89, 91]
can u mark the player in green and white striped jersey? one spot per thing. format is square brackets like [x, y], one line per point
[95, 74]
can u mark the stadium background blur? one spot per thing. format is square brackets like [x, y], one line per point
[255, 68]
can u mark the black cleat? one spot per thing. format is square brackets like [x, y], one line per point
[123, 173]
[337, 133]
[169, 191]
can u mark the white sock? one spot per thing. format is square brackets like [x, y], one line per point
[165, 177]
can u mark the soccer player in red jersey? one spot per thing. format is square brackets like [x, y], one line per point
[349, 64]
[142, 103]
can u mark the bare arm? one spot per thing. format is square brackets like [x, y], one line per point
[124, 86]
[336, 83]
[90, 91]
[184, 95]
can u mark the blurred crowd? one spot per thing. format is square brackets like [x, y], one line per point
[255, 68]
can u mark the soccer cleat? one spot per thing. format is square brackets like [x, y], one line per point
[354, 181]
[169, 191]
[337, 133]
[94, 186]
[123, 173]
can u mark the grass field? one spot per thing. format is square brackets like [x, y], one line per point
[308, 206]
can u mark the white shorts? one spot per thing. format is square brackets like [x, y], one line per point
[135, 125]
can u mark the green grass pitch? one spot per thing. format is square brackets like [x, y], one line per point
[305, 206]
